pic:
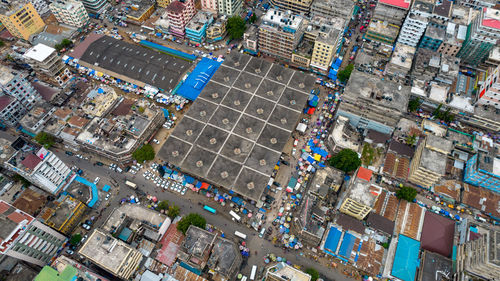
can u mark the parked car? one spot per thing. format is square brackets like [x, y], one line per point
[69, 153]
[107, 197]
[86, 226]
[70, 252]
[99, 163]
[96, 181]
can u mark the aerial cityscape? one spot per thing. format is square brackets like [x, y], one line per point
[270, 140]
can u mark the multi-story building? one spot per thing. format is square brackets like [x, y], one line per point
[382, 32]
[432, 38]
[179, 13]
[41, 6]
[140, 10]
[65, 269]
[196, 28]
[162, 3]
[333, 8]
[250, 40]
[482, 35]
[209, 5]
[25, 238]
[360, 195]
[229, 7]
[478, 4]
[327, 42]
[217, 30]
[429, 162]
[40, 166]
[45, 60]
[63, 214]
[280, 33]
[284, 272]
[70, 12]
[415, 23]
[95, 6]
[296, 6]
[111, 254]
[391, 12]
[489, 91]
[21, 19]
[18, 97]
[482, 169]
[401, 60]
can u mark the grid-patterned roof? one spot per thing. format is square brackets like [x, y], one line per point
[233, 134]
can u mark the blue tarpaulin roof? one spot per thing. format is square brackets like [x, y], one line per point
[106, 188]
[168, 50]
[293, 182]
[125, 234]
[196, 81]
[165, 112]
[189, 179]
[332, 241]
[406, 258]
[347, 245]
[93, 187]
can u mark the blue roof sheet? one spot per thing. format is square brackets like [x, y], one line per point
[347, 245]
[332, 241]
[93, 187]
[196, 81]
[168, 50]
[406, 258]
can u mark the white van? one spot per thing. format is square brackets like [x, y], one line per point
[262, 232]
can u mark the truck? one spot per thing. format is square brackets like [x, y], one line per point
[131, 184]
[235, 216]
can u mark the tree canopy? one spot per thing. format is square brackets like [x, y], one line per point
[75, 239]
[65, 43]
[407, 193]
[313, 272]
[173, 211]
[47, 140]
[191, 219]
[345, 73]
[235, 27]
[146, 152]
[346, 160]
[414, 104]
[163, 205]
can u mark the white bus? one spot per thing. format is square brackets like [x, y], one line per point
[241, 235]
[254, 271]
[131, 184]
[234, 215]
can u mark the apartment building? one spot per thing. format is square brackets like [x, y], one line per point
[333, 8]
[25, 238]
[327, 42]
[179, 13]
[209, 5]
[45, 60]
[296, 6]
[429, 162]
[70, 12]
[217, 30]
[95, 6]
[196, 28]
[489, 91]
[415, 23]
[18, 97]
[280, 33]
[229, 7]
[162, 3]
[21, 19]
[482, 36]
[360, 195]
[41, 6]
[478, 4]
[40, 166]
[392, 12]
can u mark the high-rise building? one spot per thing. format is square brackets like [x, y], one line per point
[415, 23]
[21, 19]
[280, 33]
[489, 92]
[229, 7]
[41, 6]
[179, 13]
[70, 12]
[196, 28]
[209, 5]
[25, 238]
[296, 6]
[482, 35]
[95, 6]
[40, 166]
[45, 60]
[18, 96]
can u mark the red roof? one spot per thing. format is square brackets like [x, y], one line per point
[364, 173]
[493, 23]
[3, 207]
[405, 4]
[31, 161]
[176, 7]
[17, 217]
[437, 234]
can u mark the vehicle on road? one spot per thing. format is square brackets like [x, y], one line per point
[99, 163]
[240, 235]
[235, 216]
[96, 181]
[69, 153]
[86, 226]
[70, 252]
[209, 209]
[107, 197]
[262, 232]
[253, 273]
[131, 184]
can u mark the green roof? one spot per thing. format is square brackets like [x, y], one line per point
[50, 274]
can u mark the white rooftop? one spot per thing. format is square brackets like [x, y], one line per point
[496, 166]
[462, 102]
[282, 19]
[39, 52]
[5, 75]
[438, 93]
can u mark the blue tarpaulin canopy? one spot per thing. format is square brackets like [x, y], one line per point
[106, 188]
[196, 81]
[100, 90]
[198, 184]
[189, 179]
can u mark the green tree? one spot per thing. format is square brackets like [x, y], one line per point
[345, 73]
[65, 43]
[2, 43]
[173, 211]
[163, 205]
[75, 239]
[235, 27]
[146, 152]
[19, 178]
[253, 18]
[313, 272]
[414, 104]
[411, 140]
[407, 193]
[47, 140]
[346, 160]
[191, 219]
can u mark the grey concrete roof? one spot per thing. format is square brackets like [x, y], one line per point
[235, 131]
[136, 62]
